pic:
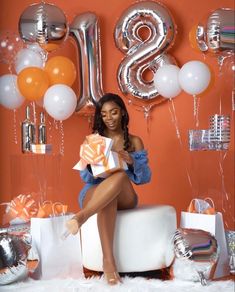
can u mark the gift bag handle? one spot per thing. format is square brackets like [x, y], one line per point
[191, 208]
[45, 203]
[54, 211]
[211, 201]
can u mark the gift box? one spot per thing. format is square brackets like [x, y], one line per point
[41, 148]
[94, 151]
[97, 152]
[112, 163]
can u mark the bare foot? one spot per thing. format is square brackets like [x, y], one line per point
[74, 224]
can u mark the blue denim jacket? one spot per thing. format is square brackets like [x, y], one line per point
[139, 173]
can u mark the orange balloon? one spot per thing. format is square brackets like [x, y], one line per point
[61, 70]
[49, 47]
[33, 83]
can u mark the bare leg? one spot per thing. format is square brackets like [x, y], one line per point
[117, 186]
[106, 219]
[116, 192]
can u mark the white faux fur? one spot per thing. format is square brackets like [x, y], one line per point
[137, 284]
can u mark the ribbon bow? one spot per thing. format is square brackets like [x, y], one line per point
[92, 151]
[23, 207]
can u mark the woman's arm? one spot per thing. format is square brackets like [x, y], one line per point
[138, 168]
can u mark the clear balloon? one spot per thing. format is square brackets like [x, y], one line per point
[85, 30]
[217, 36]
[33, 83]
[60, 101]
[10, 44]
[28, 58]
[196, 253]
[166, 81]
[61, 70]
[10, 96]
[142, 55]
[45, 24]
[194, 77]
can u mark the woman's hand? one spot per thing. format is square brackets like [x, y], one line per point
[126, 157]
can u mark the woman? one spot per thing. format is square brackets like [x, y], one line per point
[106, 196]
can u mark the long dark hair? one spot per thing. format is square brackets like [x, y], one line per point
[99, 126]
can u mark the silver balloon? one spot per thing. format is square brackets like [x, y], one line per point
[85, 30]
[143, 54]
[13, 257]
[45, 24]
[196, 255]
[219, 33]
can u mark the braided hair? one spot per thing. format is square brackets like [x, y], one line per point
[99, 126]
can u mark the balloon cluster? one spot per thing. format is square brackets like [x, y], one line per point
[194, 77]
[38, 79]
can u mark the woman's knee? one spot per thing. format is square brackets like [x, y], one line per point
[120, 176]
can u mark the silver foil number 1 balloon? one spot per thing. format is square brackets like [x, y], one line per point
[85, 31]
[142, 55]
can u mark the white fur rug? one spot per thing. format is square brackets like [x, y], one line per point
[137, 284]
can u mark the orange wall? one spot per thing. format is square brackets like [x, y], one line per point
[211, 173]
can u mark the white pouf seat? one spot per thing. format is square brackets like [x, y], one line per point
[142, 240]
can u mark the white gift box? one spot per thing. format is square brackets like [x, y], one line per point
[41, 148]
[112, 163]
[89, 153]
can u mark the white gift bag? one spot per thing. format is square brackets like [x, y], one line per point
[58, 258]
[214, 225]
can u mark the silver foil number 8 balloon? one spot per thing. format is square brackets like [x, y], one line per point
[142, 55]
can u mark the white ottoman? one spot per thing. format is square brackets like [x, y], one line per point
[142, 241]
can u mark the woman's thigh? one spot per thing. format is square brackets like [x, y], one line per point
[126, 197]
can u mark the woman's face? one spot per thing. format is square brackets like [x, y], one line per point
[112, 115]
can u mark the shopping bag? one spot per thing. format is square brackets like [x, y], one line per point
[59, 258]
[212, 223]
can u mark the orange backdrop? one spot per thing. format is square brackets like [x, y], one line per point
[178, 174]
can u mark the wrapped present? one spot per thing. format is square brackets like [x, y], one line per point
[41, 148]
[20, 209]
[113, 163]
[95, 150]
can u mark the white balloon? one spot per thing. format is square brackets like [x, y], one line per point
[37, 48]
[166, 81]
[60, 101]
[28, 58]
[194, 77]
[10, 96]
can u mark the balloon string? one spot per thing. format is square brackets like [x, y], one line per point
[196, 103]
[174, 119]
[146, 110]
[175, 122]
[14, 127]
[62, 138]
[34, 112]
[223, 191]
[233, 99]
